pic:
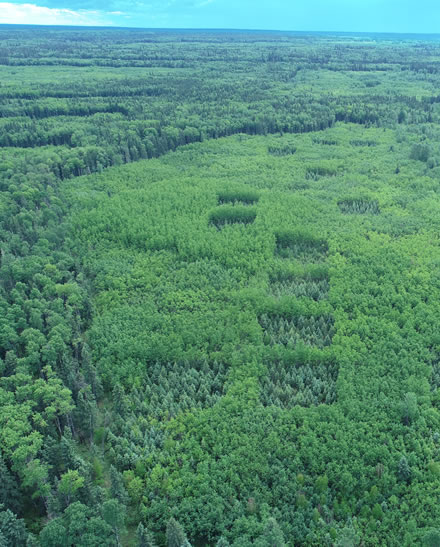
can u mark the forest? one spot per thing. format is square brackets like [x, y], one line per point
[219, 288]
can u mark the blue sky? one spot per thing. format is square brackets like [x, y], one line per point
[315, 15]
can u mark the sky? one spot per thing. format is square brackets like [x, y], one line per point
[404, 16]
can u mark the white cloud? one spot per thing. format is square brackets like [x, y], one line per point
[31, 14]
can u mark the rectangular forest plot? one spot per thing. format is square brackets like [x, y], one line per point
[358, 142]
[324, 141]
[300, 382]
[312, 330]
[281, 149]
[359, 206]
[319, 171]
[238, 197]
[300, 246]
[174, 387]
[230, 214]
[315, 286]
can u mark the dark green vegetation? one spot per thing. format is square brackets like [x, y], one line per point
[237, 342]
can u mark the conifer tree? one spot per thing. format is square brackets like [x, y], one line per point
[144, 537]
[404, 471]
[272, 535]
[9, 493]
[12, 529]
[117, 488]
[175, 534]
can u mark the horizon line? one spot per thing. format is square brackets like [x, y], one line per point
[220, 29]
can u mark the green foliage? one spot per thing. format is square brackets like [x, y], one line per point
[69, 484]
[321, 484]
[348, 537]
[311, 331]
[117, 489]
[317, 172]
[244, 196]
[304, 379]
[431, 538]
[281, 150]
[359, 206]
[113, 513]
[420, 152]
[53, 534]
[232, 215]
[144, 537]
[287, 284]
[404, 471]
[409, 409]
[10, 495]
[300, 246]
[13, 530]
[80, 526]
[272, 535]
[278, 366]
[175, 535]
[360, 142]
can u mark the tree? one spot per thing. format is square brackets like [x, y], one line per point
[119, 400]
[36, 476]
[349, 537]
[432, 538]
[113, 513]
[175, 535]
[404, 471]
[75, 520]
[117, 488]
[85, 412]
[272, 535]
[321, 484]
[97, 534]
[53, 534]
[12, 529]
[401, 118]
[377, 512]
[420, 152]
[69, 484]
[408, 408]
[144, 537]
[9, 492]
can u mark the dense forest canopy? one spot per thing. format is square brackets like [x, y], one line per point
[219, 288]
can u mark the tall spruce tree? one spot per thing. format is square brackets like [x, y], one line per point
[175, 534]
[144, 537]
